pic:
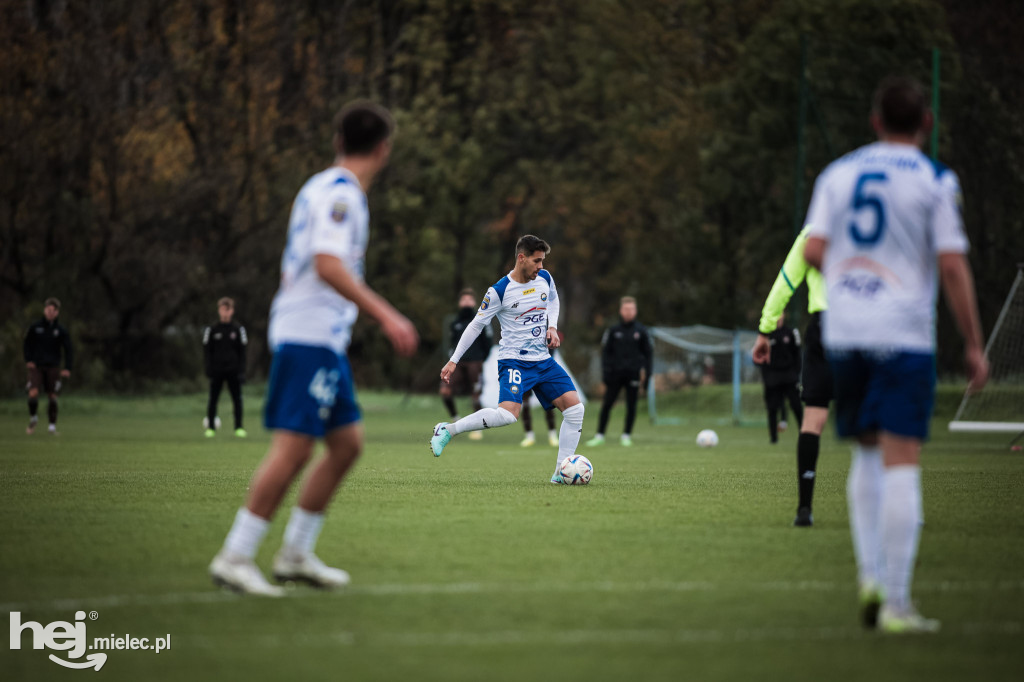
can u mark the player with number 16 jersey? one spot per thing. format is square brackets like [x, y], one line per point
[525, 301]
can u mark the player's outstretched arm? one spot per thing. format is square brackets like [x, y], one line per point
[399, 330]
[958, 287]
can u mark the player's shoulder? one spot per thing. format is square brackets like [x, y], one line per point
[545, 275]
[500, 286]
[333, 183]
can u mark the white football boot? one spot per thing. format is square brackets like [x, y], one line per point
[241, 575]
[309, 569]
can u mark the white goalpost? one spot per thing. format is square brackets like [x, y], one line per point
[705, 373]
[1000, 407]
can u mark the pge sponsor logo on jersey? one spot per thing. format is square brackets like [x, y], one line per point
[861, 286]
[71, 637]
[532, 316]
[338, 211]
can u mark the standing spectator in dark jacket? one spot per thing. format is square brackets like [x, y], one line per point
[781, 376]
[224, 346]
[466, 378]
[43, 344]
[625, 353]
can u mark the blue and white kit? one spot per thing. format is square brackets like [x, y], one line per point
[887, 212]
[310, 389]
[525, 312]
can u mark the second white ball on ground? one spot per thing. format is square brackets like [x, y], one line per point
[707, 438]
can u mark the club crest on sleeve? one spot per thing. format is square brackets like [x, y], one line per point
[486, 302]
[543, 297]
[338, 211]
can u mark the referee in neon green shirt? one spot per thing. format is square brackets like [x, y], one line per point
[816, 379]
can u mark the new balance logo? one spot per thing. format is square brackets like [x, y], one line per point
[809, 475]
[485, 423]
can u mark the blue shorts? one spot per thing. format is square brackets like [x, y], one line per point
[545, 378]
[890, 391]
[310, 391]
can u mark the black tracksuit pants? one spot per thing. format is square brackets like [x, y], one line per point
[234, 386]
[615, 382]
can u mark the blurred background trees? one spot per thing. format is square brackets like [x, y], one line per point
[150, 151]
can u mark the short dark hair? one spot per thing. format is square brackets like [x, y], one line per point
[901, 104]
[51, 301]
[467, 292]
[361, 126]
[528, 245]
[229, 302]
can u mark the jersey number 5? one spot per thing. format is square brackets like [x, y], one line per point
[863, 199]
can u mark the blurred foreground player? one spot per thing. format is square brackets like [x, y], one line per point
[885, 228]
[310, 393]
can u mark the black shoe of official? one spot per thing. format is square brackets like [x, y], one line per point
[803, 517]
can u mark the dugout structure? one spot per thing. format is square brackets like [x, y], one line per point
[1000, 406]
[704, 374]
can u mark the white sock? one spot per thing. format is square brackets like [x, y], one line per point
[529, 434]
[864, 499]
[487, 418]
[552, 434]
[901, 530]
[302, 531]
[246, 534]
[569, 435]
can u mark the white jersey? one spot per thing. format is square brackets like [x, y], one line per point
[329, 217]
[524, 311]
[887, 212]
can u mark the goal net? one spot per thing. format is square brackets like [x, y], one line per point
[1000, 406]
[704, 373]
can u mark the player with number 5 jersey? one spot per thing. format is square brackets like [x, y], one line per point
[885, 230]
[525, 301]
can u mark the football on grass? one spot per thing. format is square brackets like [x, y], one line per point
[576, 470]
[707, 438]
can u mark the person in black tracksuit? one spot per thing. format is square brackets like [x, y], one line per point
[625, 352]
[224, 346]
[44, 342]
[781, 376]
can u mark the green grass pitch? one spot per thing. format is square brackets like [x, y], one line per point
[676, 563]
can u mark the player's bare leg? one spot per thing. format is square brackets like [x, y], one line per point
[296, 560]
[234, 565]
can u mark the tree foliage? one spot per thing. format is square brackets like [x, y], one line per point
[150, 151]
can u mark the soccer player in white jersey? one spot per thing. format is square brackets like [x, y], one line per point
[885, 228]
[526, 304]
[310, 393]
